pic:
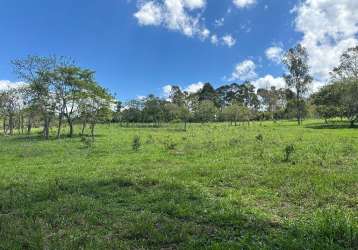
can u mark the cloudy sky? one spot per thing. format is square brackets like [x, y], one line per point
[143, 46]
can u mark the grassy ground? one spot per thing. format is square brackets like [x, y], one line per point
[213, 187]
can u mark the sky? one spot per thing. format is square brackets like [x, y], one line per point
[141, 47]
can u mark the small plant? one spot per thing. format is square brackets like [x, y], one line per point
[289, 150]
[259, 138]
[136, 143]
[170, 145]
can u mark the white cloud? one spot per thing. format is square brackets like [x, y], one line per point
[228, 40]
[5, 84]
[195, 4]
[244, 71]
[194, 88]
[184, 16]
[214, 39]
[274, 54]
[243, 3]
[166, 90]
[269, 81]
[141, 97]
[329, 27]
[175, 15]
[149, 13]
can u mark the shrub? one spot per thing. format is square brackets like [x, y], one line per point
[289, 150]
[136, 143]
[259, 137]
[169, 145]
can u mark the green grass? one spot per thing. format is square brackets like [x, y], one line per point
[213, 187]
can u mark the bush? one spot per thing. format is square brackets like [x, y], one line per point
[169, 145]
[289, 150]
[259, 137]
[136, 143]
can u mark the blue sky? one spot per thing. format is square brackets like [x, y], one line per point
[138, 47]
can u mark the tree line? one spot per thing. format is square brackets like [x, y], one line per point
[56, 91]
[59, 93]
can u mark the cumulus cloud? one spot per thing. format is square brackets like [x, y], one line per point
[166, 90]
[194, 88]
[329, 27]
[274, 54]
[244, 71]
[243, 3]
[229, 40]
[195, 4]
[184, 16]
[269, 81]
[5, 84]
[174, 15]
[150, 13]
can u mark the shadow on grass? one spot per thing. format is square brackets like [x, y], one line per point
[331, 125]
[39, 137]
[119, 213]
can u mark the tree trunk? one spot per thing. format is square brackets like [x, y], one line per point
[352, 123]
[84, 127]
[11, 124]
[92, 130]
[4, 125]
[70, 123]
[60, 118]
[46, 132]
[29, 125]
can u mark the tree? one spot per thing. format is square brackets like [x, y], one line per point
[296, 60]
[227, 94]
[328, 101]
[176, 96]
[345, 78]
[153, 111]
[10, 105]
[247, 96]
[205, 112]
[231, 113]
[208, 93]
[271, 100]
[35, 71]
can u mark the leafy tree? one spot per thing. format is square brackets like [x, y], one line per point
[328, 101]
[35, 71]
[232, 113]
[208, 93]
[298, 78]
[176, 96]
[247, 96]
[205, 112]
[153, 111]
[10, 103]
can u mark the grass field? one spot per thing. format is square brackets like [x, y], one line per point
[215, 186]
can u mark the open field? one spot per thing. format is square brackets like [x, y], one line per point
[215, 186]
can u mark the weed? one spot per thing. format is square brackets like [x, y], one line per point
[289, 150]
[136, 144]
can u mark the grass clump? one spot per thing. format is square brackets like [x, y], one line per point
[136, 144]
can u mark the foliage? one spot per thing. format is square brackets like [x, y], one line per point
[136, 144]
